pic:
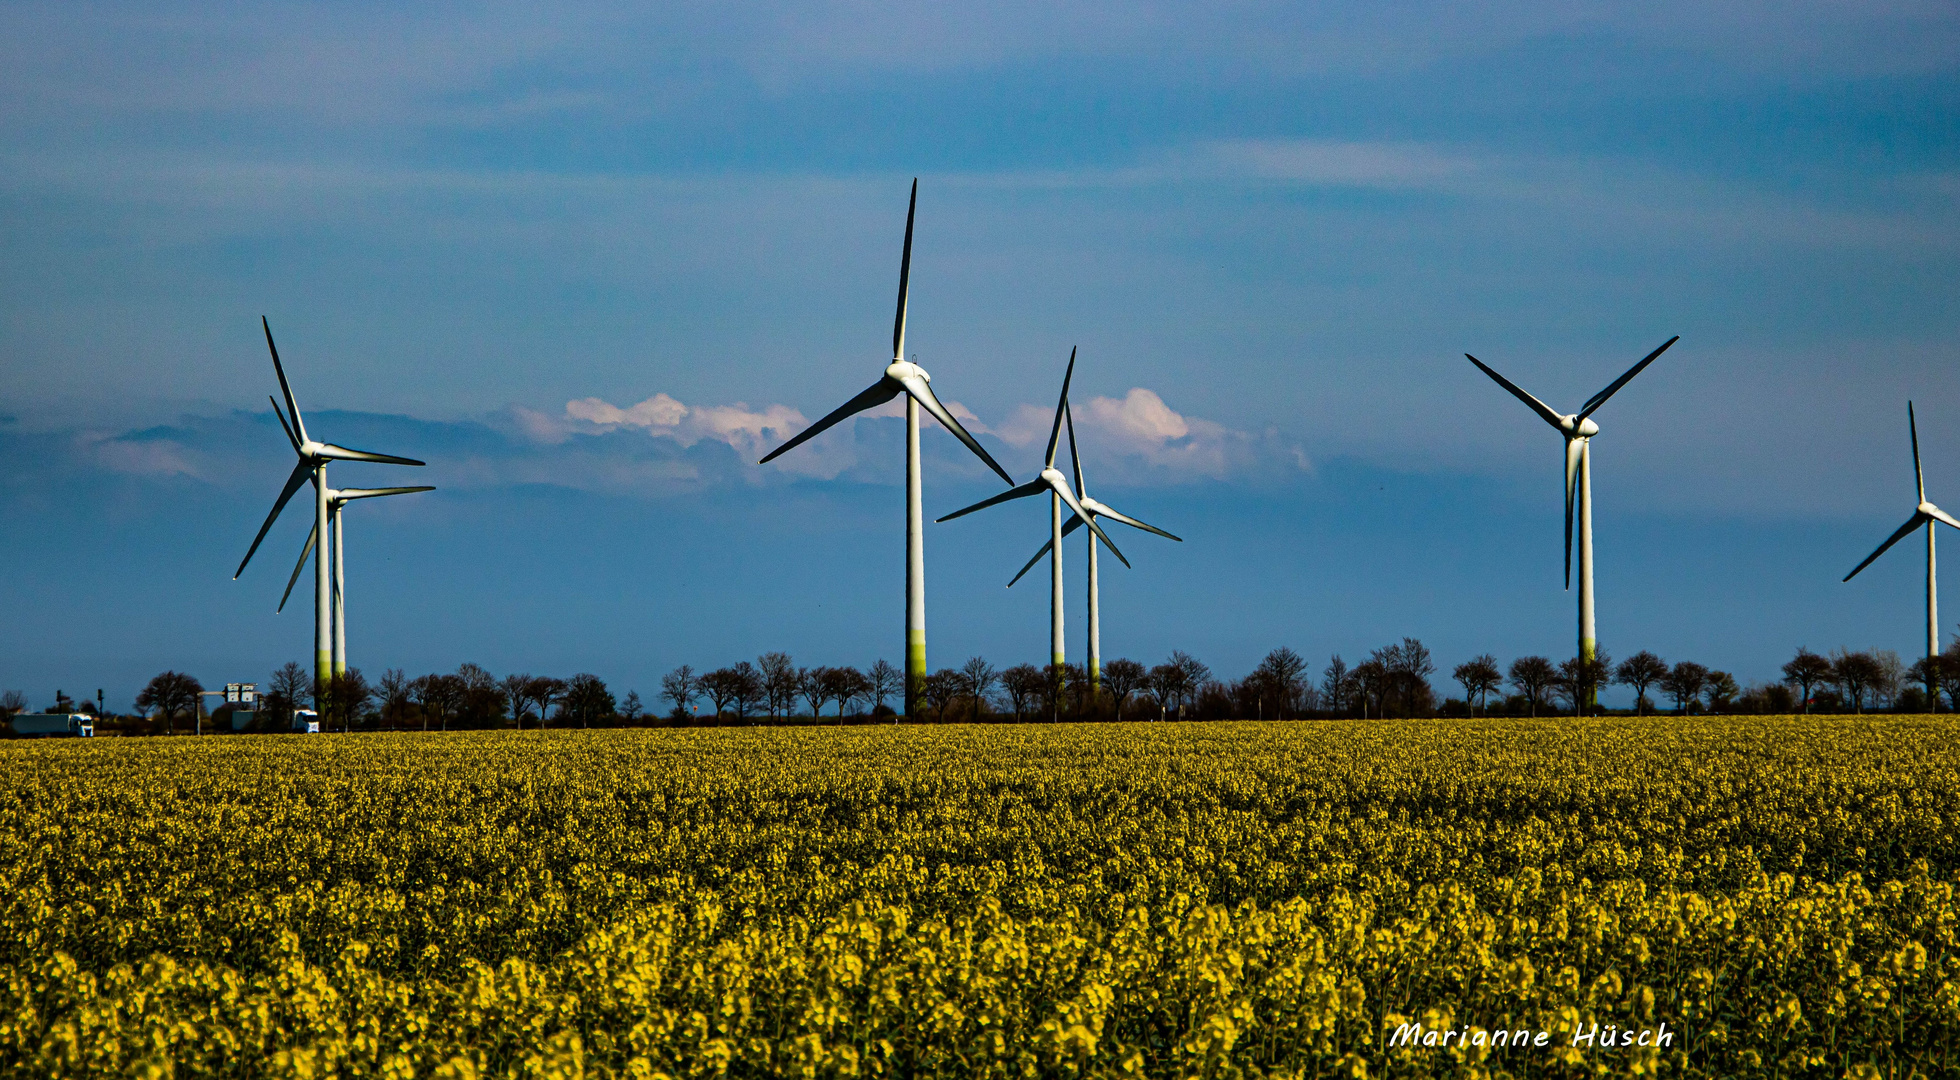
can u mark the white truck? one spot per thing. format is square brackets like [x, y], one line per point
[54, 725]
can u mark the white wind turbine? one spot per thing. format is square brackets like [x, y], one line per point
[313, 458]
[1095, 509]
[1055, 484]
[1578, 430]
[337, 498]
[1924, 514]
[904, 377]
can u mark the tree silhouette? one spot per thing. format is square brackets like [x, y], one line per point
[1856, 672]
[886, 680]
[1281, 676]
[780, 685]
[1532, 675]
[680, 687]
[587, 700]
[1641, 670]
[1122, 678]
[1023, 684]
[1479, 676]
[1807, 670]
[980, 678]
[516, 690]
[1684, 684]
[170, 693]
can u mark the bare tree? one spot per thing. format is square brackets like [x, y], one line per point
[11, 702]
[393, 689]
[348, 695]
[542, 691]
[810, 682]
[1024, 684]
[1579, 678]
[1641, 670]
[680, 687]
[845, 685]
[721, 687]
[1281, 676]
[942, 688]
[1123, 678]
[980, 679]
[779, 682]
[1532, 675]
[439, 695]
[291, 684]
[631, 709]
[1926, 672]
[1168, 684]
[1684, 684]
[749, 688]
[886, 680]
[588, 700]
[1855, 671]
[1196, 675]
[1336, 685]
[169, 693]
[1479, 676]
[516, 690]
[1807, 670]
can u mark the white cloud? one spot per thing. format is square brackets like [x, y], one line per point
[141, 457]
[1137, 437]
[739, 426]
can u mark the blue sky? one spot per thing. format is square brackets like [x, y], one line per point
[487, 234]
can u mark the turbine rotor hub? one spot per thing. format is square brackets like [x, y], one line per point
[904, 369]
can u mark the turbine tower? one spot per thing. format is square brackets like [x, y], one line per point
[335, 500]
[1095, 509]
[1578, 430]
[312, 465]
[1056, 486]
[903, 377]
[1924, 514]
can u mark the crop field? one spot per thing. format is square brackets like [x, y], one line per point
[1775, 895]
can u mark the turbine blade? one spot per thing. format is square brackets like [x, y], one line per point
[1055, 433]
[341, 453]
[284, 387]
[1032, 487]
[1068, 413]
[1537, 406]
[312, 534]
[375, 493]
[1573, 448]
[1938, 514]
[1912, 523]
[904, 276]
[1599, 399]
[1918, 477]
[1083, 515]
[283, 426]
[922, 391]
[301, 473]
[1046, 547]
[1104, 510]
[879, 392]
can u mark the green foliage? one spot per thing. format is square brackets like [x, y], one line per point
[1095, 900]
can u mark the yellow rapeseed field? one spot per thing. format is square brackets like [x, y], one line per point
[1776, 896]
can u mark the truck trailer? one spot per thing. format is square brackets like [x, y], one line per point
[54, 725]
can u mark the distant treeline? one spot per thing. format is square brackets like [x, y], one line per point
[1393, 681]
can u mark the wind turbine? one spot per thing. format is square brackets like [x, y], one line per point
[335, 500]
[1924, 514]
[1095, 509]
[1578, 430]
[1055, 484]
[312, 465]
[904, 377]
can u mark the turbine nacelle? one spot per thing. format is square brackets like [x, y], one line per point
[900, 370]
[1578, 427]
